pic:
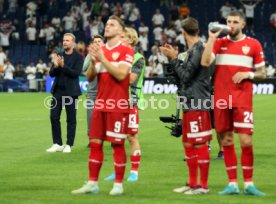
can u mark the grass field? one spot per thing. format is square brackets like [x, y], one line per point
[30, 175]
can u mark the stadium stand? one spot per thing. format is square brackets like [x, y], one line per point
[13, 19]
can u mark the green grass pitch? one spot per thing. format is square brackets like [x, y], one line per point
[30, 175]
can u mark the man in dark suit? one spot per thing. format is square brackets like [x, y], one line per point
[66, 70]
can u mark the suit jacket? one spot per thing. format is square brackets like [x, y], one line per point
[68, 75]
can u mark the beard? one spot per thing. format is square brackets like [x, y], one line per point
[235, 34]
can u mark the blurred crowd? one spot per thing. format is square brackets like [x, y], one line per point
[43, 22]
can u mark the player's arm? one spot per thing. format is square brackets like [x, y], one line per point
[133, 78]
[259, 74]
[89, 64]
[169, 51]
[207, 57]
[136, 70]
[89, 68]
[120, 72]
[259, 66]
[91, 72]
[86, 63]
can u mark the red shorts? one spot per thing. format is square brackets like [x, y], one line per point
[238, 119]
[109, 126]
[196, 127]
[133, 121]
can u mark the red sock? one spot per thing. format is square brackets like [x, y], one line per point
[247, 161]
[119, 155]
[191, 159]
[230, 160]
[203, 163]
[95, 161]
[135, 162]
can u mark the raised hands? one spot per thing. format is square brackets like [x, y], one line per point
[95, 52]
[169, 51]
[58, 61]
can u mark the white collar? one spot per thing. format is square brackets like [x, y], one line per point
[110, 48]
[243, 37]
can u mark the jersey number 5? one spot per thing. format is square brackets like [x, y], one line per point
[194, 126]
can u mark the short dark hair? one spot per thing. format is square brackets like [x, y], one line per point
[97, 36]
[237, 13]
[190, 26]
[119, 20]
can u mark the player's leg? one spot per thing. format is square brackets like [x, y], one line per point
[135, 149]
[91, 97]
[230, 161]
[192, 164]
[243, 124]
[224, 125]
[203, 158]
[135, 157]
[97, 135]
[116, 133]
[200, 137]
[220, 153]
[219, 136]
[190, 154]
[88, 117]
[119, 156]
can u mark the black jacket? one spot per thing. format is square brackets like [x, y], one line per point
[67, 78]
[194, 79]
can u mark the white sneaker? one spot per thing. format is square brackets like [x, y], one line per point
[182, 189]
[117, 189]
[67, 149]
[196, 191]
[88, 187]
[55, 148]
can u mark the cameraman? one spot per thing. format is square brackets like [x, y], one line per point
[194, 89]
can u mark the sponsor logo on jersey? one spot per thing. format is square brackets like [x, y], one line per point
[223, 48]
[245, 49]
[115, 55]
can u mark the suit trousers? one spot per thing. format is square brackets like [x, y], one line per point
[58, 102]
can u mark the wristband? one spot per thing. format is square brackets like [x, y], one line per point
[251, 75]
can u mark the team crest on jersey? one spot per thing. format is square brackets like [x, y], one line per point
[245, 49]
[115, 55]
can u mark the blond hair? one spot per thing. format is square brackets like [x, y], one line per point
[132, 34]
[118, 19]
[72, 35]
